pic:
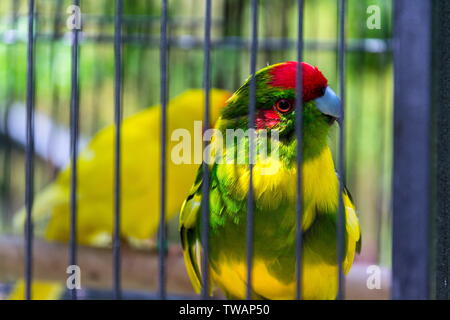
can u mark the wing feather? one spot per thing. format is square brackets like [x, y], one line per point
[189, 232]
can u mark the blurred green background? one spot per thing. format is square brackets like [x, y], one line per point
[369, 83]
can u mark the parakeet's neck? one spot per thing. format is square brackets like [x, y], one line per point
[312, 147]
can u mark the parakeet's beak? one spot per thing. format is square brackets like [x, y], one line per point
[329, 104]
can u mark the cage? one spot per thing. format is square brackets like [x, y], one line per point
[71, 68]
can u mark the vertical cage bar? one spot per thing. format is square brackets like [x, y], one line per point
[340, 232]
[55, 104]
[117, 149]
[441, 146]
[251, 144]
[299, 136]
[411, 185]
[74, 127]
[162, 218]
[29, 161]
[384, 203]
[205, 185]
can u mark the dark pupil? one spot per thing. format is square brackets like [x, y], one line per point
[284, 105]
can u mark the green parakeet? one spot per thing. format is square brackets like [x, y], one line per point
[274, 183]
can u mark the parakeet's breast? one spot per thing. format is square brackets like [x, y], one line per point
[274, 183]
[274, 186]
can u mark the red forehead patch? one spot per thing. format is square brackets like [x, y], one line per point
[285, 76]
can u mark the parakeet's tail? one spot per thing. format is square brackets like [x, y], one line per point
[43, 203]
[40, 290]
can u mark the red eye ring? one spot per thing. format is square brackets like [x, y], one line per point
[284, 106]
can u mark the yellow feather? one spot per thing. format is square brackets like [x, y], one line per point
[40, 290]
[279, 187]
[319, 279]
[140, 176]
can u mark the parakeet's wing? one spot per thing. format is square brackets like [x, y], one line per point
[189, 232]
[353, 227]
[321, 237]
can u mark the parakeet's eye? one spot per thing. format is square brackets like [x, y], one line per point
[284, 106]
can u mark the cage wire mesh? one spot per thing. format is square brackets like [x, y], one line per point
[105, 95]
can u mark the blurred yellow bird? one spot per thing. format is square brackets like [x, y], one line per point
[140, 173]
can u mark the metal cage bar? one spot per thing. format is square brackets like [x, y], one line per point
[411, 181]
[340, 232]
[162, 220]
[205, 168]
[412, 116]
[29, 162]
[251, 145]
[372, 45]
[117, 147]
[55, 96]
[299, 136]
[74, 127]
[441, 146]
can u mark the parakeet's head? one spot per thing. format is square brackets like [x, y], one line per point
[275, 103]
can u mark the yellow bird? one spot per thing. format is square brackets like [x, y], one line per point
[140, 174]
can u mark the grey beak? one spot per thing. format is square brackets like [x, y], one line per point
[330, 104]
